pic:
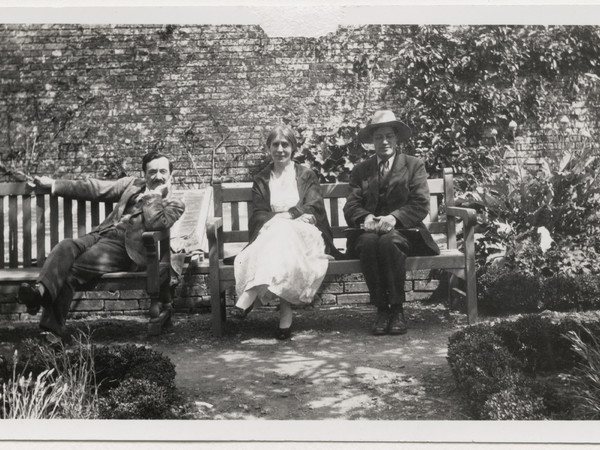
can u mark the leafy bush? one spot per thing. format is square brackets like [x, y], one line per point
[508, 291]
[514, 403]
[481, 364]
[524, 369]
[502, 290]
[117, 363]
[136, 398]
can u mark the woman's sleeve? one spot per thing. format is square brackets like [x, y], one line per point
[261, 208]
[312, 202]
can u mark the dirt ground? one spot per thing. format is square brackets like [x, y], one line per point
[333, 368]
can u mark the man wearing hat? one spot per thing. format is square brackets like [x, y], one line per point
[389, 198]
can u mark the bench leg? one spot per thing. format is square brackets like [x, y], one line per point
[217, 305]
[452, 285]
[161, 310]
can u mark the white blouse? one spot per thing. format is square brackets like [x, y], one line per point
[284, 189]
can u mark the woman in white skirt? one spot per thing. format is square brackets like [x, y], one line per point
[290, 238]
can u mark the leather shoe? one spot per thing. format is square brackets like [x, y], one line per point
[380, 327]
[283, 334]
[30, 297]
[240, 313]
[397, 324]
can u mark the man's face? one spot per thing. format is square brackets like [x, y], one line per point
[385, 142]
[157, 173]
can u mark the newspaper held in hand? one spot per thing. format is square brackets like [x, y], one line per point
[188, 235]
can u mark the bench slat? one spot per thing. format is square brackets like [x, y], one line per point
[448, 259]
[235, 216]
[335, 216]
[53, 220]
[108, 208]
[40, 229]
[26, 231]
[68, 217]
[13, 236]
[95, 210]
[81, 220]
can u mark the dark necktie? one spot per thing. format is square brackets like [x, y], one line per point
[383, 168]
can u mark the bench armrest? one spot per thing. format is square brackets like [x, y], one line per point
[151, 240]
[213, 225]
[467, 215]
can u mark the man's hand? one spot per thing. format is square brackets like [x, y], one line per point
[371, 223]
[379, 224]
[307, 218]
[45, 182]
[386, 224]
[162, 189]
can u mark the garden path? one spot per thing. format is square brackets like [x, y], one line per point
[333, 368]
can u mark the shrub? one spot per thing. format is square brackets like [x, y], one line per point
[523, 369]
[115, 364]
[481, 364]
[508, 291]
[514, 403]
[136, 398]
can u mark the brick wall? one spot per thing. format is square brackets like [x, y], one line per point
[94, 98]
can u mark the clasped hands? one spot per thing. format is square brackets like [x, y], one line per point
[379, 224]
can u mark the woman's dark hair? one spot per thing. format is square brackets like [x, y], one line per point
[155, 155]
[287, 133]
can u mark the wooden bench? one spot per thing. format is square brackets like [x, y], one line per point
[35, 221]
[442, 220]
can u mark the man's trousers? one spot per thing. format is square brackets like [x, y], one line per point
[74, 262]
[383, 263]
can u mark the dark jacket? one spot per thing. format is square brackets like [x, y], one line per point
[310, 202]
[157, 213]
[406, 197]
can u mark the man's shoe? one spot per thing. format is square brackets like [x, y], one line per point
[397, 324]
[381, 324]
[31, 297]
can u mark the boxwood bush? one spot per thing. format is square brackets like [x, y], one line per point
[518, 370]
[505, 291]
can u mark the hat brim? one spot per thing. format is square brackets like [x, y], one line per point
[402, 131]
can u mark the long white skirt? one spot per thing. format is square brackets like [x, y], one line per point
[287, 258]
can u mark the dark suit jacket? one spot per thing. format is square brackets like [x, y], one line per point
[311, 202]
[157, 213]
[407, 196]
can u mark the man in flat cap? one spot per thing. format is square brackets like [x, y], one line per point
[388, 200]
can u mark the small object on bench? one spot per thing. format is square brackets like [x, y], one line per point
[35, 221]
[229, 197]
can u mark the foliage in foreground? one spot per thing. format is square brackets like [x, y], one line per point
[50, 382]
[86, 382]
[526, 369]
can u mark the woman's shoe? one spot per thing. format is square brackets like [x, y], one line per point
[283, 334]
[240, 313]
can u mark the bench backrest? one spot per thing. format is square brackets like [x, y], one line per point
[32, 222]
[233, 202]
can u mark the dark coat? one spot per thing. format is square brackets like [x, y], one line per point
[157, 213]
[310, 202]
[406, 197]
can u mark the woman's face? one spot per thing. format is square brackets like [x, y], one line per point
[281, 150]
